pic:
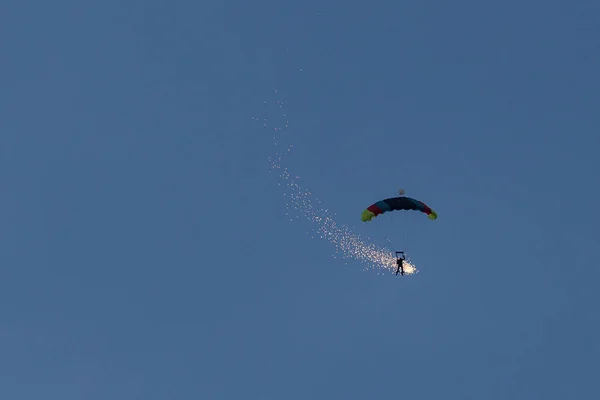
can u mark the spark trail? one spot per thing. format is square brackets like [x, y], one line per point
[348, 244]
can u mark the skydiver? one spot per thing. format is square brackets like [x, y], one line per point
[400, 262]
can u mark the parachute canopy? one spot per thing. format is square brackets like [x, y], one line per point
[397, 203]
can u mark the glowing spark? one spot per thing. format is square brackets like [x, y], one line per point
[348, 244]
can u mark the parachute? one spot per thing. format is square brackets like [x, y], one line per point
[397, 203]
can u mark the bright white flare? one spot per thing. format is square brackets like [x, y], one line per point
[348, 244]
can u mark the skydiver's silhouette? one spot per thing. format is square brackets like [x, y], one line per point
[400, 263]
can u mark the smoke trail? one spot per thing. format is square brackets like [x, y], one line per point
[348, 245]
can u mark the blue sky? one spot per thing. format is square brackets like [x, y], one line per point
[146, 252]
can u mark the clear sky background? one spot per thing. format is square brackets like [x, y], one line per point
[145, 250]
